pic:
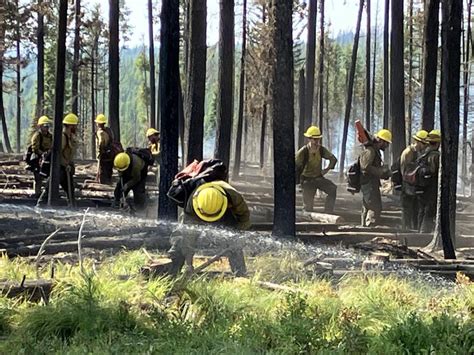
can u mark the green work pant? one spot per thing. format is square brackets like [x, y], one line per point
[409, 201]
[371, 203]
[310, 185]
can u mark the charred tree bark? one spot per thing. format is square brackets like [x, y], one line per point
[94, 57]
[397, 80]
[76, 56]
[466, 83]
[151, 49]
[40, 63]
[350, 90]
[18, 80]
[240, 119]
[310, 62]
[6, 139]
[114, 64]
[386, 66]
[53, 195]
[169, 91]
[263, 131]
[410, 72]
[430, 61]
[374, 60]
[196, 90]
[321, 68]
[301, 97]
[225, 81]
[283, 119]
[181, 120]
[449, 107]
[367, 69]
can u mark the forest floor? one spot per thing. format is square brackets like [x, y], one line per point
[339, 288]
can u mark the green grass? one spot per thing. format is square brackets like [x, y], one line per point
[99, 312]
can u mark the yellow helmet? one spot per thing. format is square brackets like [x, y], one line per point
[151, 131]
[385, 135]
[101, 118]
[210, 202]
[43, 120]
[313, 132]
[421, 136]
[122, 162]
[434, 136]
[71, 118]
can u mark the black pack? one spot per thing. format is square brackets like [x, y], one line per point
[353, 177]
[31, 159]
[424, 175]
[299, 171]
[143, 153]
[189, 179]
[397, 178]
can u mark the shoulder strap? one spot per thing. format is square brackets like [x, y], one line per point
[305, 156]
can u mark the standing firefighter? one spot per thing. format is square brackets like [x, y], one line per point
[408, 167]
[310, 172]
[372, 170]
[68, 150]
[154, 142]
[132, 166]
[428, 181]
[215, 203]
[104, 139]
[40, 145]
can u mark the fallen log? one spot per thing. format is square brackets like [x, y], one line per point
[30, 290]
[324, 217]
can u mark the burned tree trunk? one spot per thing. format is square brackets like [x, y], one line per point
[169, 92]
[367, 69]
[301, 97]
[240, 119]
[386, 83]
[310, 59]
[151, 51]
[18, 80]
[449, 108]
[53, 195]
[397, 81]
[430, 60]
[350, 89]
[466, 84]
[225, 81]
[94, 57]
[196, 90]
[321, 68]
[410, 72]
[40, 63]
[114, 75]
[76, 56]
[374, 60]
[283, 119]
[263, 130]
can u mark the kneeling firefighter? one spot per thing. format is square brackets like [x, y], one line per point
[215, 203]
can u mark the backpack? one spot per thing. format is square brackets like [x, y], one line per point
[423, 176]
[299, 171]
[143, 153]
[353, 177]
[194, 175]
[397, 178]
[114, 147]
[30, 158]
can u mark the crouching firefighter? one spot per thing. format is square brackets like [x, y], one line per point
[132, 167]
[214, 203]
[40, 145]
[66, 170]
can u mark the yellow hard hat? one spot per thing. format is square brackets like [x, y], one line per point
[100, 118]
[43, 120]
[151, 131]
[385, 135]
[434, 136]
[71, 118]
[421, 136]
[313, 132]
[122, 162]
[210, 202]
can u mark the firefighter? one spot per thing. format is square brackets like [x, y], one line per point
[154, 142]
[408, 163]
[309, 167]
[133, 171]
[429, 166]
[103, 141]
[68, 150]
[41, 143]
[214, 203]
[372, 170]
